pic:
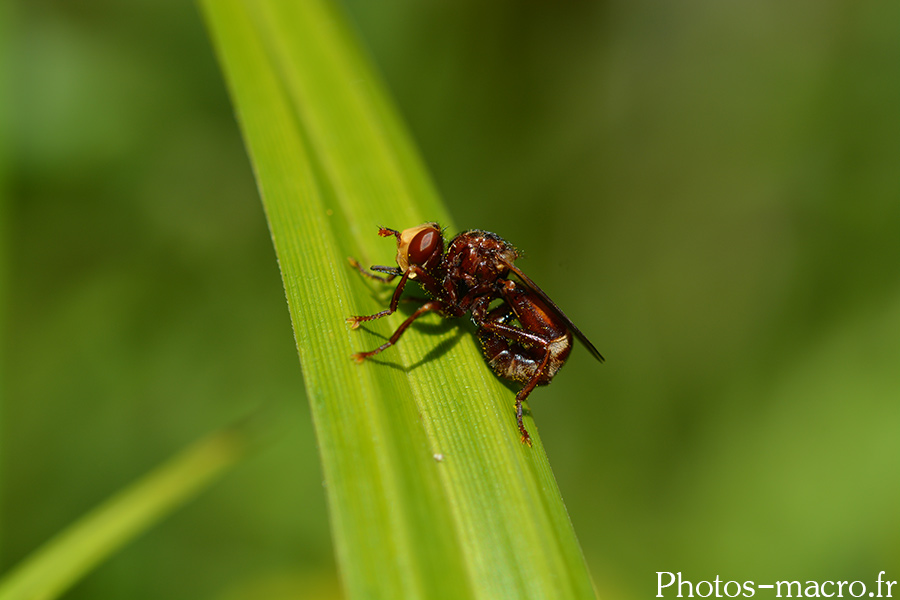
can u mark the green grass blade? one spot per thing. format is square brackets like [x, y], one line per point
[75, 551]
[431, 494]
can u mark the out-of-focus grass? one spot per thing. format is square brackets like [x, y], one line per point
[82, 546]
[136, 240]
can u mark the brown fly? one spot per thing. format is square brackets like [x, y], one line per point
[524, 335]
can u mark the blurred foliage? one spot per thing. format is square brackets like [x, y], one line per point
[709, 189]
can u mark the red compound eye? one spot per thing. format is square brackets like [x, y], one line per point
[424, 245]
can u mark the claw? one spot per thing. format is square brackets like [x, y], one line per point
[353, 322]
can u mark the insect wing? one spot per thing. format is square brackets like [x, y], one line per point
[552, 306]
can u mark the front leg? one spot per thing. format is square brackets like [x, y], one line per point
[426, 280]
[395, 299]
[390, 271]
[428, 306]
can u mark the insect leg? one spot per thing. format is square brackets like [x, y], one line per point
[515, 334]
[395, 299]
[428, 306]
[523, 393]
[532, 340]
[391, 271]
[421, 276]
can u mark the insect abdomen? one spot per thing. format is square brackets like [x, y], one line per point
[518, 363]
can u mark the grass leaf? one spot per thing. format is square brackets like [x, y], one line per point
[431, 494]
[75, 551]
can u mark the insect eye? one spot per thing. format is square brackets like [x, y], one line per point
[423, 246]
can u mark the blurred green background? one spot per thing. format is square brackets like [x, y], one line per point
[711, 190]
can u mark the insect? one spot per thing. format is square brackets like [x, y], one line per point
[524, 335]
